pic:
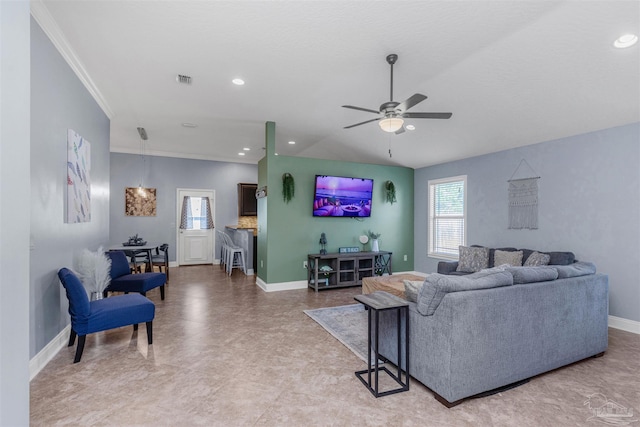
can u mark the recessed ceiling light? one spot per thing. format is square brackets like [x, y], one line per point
[246, 149]
[627, 40]
[276, 154]
[189, 125]
[241, 154]
[292, 143]
[237, 81]
[410, 127]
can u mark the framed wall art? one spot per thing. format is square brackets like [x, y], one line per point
[139, 201]
[78, 178]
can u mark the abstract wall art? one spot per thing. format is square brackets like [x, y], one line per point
[78, 178]
[139, 201]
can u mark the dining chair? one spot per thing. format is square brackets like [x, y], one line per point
[161, 259]
[137, 260]
[88, 317]
[123, 281]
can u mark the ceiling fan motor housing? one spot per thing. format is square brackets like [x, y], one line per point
[389, 107]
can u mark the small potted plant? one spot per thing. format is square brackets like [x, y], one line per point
[390, 192]
[374, 241]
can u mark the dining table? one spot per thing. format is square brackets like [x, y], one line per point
[147, 247]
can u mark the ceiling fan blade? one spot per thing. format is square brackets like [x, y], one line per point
[411, 101]
[399, 131]
[361, 109]
[427, 115]
[361, 123]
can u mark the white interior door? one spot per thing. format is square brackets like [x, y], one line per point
[194, 242]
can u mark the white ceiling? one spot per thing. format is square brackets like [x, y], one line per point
[513, 73]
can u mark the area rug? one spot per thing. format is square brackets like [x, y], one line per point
[347, 323]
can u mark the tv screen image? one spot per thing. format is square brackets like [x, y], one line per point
[342, 196]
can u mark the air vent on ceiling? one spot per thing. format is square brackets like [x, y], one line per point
[186, 80]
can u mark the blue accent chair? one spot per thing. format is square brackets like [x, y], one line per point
[123, 281]
[88, 317]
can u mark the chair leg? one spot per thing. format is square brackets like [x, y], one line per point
[150, 332]
[72, 337]
[81, 339]
[135, 326]
[162, 292]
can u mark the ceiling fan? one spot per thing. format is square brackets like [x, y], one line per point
[393, 112]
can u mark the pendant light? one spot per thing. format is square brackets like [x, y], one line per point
[143, 137]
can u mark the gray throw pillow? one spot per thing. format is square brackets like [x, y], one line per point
[509, 258]
[437, 286]
[576, 269]
[536, 259]
[411, 289]
[472, 259]
[523, 275]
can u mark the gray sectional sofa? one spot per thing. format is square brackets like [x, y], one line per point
[486, 331]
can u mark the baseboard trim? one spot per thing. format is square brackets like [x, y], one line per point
[45, 355]
[283, 286]
[624, 324]
[302, 284]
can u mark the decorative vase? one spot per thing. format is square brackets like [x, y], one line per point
[96, 296]
[374, 246]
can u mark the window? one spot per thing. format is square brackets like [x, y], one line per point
[196, 213]
[447, 212]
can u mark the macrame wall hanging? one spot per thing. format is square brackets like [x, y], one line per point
[523, 200]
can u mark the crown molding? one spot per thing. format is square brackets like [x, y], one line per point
[181, 155]
[43, 17]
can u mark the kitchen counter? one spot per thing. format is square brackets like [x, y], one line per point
[246, 223]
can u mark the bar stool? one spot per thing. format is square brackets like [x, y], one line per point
[234, 255]
[223, 248]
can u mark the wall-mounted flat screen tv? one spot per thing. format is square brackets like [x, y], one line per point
[342, 196]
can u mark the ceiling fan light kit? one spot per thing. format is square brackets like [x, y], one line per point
[391, 124]
[394, 113]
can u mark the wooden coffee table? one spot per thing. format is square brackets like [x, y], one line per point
[392, 284]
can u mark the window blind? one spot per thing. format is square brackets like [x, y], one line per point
[446, 216]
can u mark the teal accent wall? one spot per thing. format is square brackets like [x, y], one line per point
[293, 232]
[263, 181]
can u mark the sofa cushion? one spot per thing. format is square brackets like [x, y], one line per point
[492, 254]
[523, 275]
[561, 258]
[510, 258]
[537, 258]
[437, 286]
[576, 269]
[411, 289]
[472, 259]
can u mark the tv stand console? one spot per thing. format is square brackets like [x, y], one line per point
[341, 270]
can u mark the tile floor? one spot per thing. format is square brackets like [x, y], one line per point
[225, 353]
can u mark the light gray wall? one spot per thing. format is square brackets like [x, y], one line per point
[166, 175]
[59, 102]
[589, 203]
[14, 213]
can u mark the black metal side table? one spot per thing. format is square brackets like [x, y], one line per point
[375, 303]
